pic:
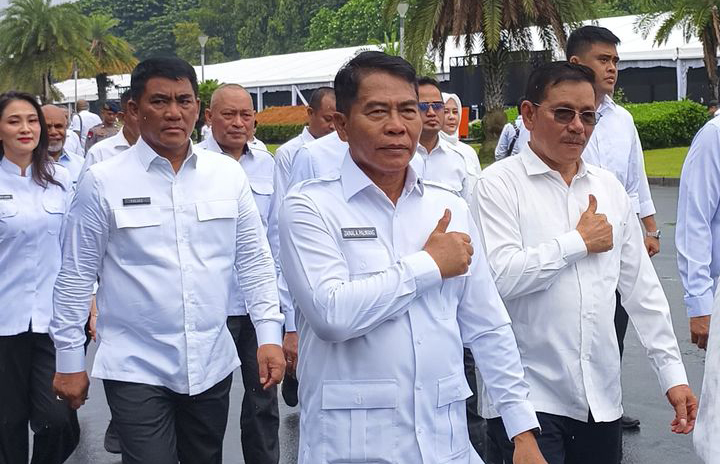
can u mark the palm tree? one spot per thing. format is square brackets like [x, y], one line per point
[39, 42]
[692, 17]
[498, 25]
[111, 54]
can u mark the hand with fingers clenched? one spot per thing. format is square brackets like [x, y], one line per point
[452, 251]
[595, 230]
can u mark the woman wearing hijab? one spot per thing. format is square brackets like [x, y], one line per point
[451, 132]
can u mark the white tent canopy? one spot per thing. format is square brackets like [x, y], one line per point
[307, 70]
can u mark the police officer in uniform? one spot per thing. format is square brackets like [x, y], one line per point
[107, 128]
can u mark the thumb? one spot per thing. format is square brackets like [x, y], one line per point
[443, 223]
[592, 204]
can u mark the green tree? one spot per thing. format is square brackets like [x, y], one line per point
[187, 45]
[111, 54]
[694, 18]
[40, 42]
[357, 22]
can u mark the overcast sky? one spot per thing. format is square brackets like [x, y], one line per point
[4, 3]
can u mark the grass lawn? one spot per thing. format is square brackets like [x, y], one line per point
[272, 147]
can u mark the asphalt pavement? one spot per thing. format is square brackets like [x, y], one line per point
[652, 443]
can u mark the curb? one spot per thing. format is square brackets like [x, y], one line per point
[664, 181]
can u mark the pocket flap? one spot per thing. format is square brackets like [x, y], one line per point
[365, 256]
[359, 394]
[53, 204]
[218, 209]
[8, 208]
[262, 186]
[137, 217]
[453, 388]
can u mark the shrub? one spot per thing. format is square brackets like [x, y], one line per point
[278, 133]
[667, 124]
[476, 131]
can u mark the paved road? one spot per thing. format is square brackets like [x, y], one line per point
[652, 444]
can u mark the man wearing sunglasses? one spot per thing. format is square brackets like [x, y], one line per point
[615, 145]
[561, 235]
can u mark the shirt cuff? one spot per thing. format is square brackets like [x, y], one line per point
[647, 208]
[425, 270]
[572, 246]
[672, 375]
[519, 418]
[289, 319]
[269, 333]
[700, 305]
[70, 361]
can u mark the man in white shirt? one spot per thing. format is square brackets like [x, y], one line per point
[512, 138]
[231, 115]
[72, 140]
[170, 231]
[57, 127]
[82, 121]
[697, 238]
[615, 144]
[118, 143]
[387, 297]
[561, 235]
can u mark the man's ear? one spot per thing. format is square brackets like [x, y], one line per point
[133, 109]
[528, 111]
[574, 59]
[208, 115]
[340, 123]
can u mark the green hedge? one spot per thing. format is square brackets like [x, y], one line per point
[667, 124]
[278, 133]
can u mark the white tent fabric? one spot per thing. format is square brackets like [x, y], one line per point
[305, 70]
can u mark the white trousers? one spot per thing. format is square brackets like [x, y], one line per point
[707, 427]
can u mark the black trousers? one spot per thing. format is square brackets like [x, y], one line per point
[159, 426]
[27, 367]
[567, 441]
[621, 323]
[259, 417]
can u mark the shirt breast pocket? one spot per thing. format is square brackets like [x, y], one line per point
[359, 421]
[55, 207]
[141, 237]
[451, 435]
[365, 257]
[217, 226]
[262, 193]
[9, 221]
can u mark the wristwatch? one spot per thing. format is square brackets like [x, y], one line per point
[655, 234]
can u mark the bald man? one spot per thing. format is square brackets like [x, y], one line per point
[232, 117]
[57, 130]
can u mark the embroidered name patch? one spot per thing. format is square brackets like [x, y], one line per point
[136, 201]
[349, 233]
[6, 197]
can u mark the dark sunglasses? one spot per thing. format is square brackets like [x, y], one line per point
[425, 106]
[567, 115]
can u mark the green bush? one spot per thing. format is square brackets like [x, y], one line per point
[667, 124]
[476, 131]
[278, 133]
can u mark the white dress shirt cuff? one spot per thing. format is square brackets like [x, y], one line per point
[289, 319]
[425, 270]
[700, 305]
[519, 418]
[269, 332]
[647, 208]
[572, 246]
[672, 375]
[70, 361]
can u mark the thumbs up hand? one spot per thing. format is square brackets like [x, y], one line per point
[595, 229]
[451, 251]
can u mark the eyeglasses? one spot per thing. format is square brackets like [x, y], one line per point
[567, 115]
[436, 106]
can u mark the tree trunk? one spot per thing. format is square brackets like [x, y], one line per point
[710, 44]
[46, 94]
[102, 86]
[494, 63]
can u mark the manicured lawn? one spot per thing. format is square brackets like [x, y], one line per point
[665, 162]
[271, 148]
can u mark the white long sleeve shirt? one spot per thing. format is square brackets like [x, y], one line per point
[31, 219]
[615, 146]
[166, 247]
[106, 149]
[510, 130]
[381, 333]
[259, 166]
[697, 233]
[284, 156]
[82, 122]
[560, 298]
[73, 163]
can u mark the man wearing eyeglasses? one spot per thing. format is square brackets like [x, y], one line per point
[615, 145]
[561, 235]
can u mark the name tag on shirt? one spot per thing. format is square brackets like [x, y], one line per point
[6, 197]
[353, 233]
[136, 201]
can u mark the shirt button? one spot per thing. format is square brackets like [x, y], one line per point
[419, 386]
[419, 430]
[586, 357]
[179, 209]
[363, 265]
[419, 341]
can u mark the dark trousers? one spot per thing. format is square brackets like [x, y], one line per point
[567, 441]
[259, 417]
[27, 368]
[159, 426]
[621, 323]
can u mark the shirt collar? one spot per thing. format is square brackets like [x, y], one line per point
[535, 166]
[354, 180]
[12, 168]
[440, 145]
[212, 145]
[306, 135]
[607, 104]
[147, 155]
[121, 140]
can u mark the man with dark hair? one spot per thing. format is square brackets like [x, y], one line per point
[615, 144]
[170, 231]
[386, 296]
[513, 137]
[560, 237]
[712, 108]
[107, 128]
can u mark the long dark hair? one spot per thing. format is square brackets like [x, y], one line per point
[42, 164]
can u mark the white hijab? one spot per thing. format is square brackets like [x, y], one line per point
[452, 138]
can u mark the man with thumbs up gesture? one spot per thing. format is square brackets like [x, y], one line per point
[561, 235]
